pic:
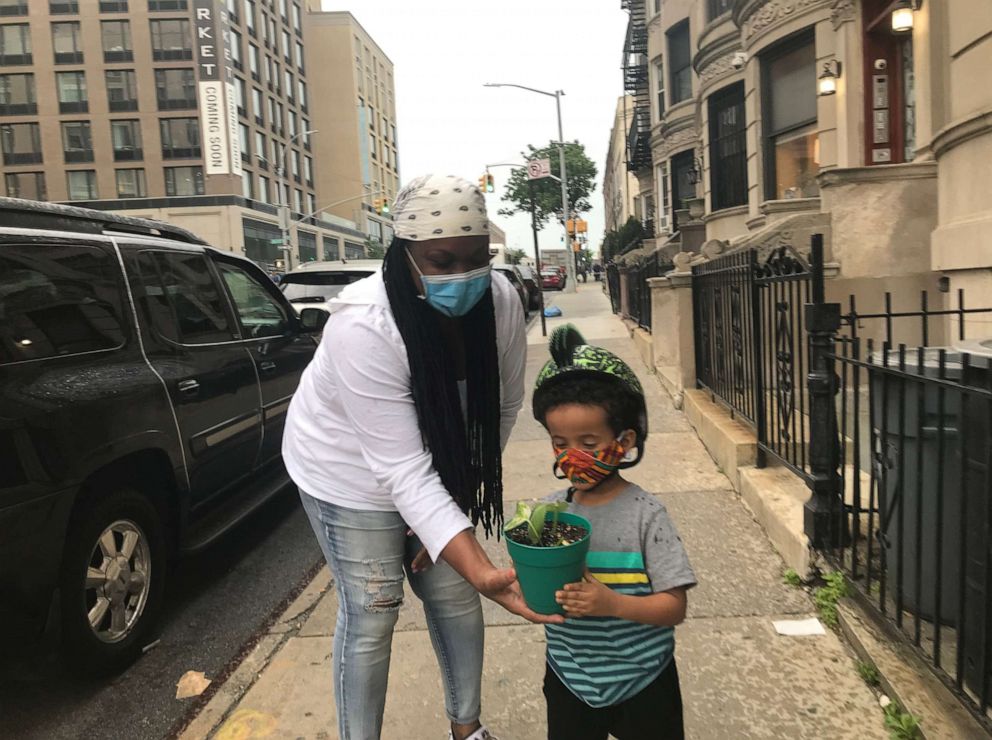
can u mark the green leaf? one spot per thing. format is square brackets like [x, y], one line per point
[521, 515]
[535, 524]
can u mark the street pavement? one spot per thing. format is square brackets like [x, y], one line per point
[740, 679]
[218, 601]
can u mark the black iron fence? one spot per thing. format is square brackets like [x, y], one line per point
[639, 292]
[913, 498]
[891, 431]
[613, 286]
[751, 344]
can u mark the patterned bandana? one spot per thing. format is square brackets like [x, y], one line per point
[437, 207]
[583, 467]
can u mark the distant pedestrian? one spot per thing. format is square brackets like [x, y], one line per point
[597, 272]
[395, 441]
[611, 666]
[583, 273]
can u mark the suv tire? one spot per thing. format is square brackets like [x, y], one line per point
[112, 581]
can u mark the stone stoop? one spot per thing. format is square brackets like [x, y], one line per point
[730, 442]
[775, 497]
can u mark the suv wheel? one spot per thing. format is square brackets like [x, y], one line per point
[112, 581]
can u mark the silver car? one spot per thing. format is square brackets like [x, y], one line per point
[314, 284]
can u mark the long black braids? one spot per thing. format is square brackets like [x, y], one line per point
[466, 454]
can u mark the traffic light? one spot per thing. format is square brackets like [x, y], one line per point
[381, 206]
[482, 182]
[490, 185]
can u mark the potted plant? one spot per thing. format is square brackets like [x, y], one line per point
[548, 547]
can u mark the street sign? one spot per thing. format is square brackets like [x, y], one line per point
[538, 168]
[277, 242]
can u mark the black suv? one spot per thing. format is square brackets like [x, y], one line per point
[144, 383]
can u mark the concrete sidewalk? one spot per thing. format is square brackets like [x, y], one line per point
[739, 678]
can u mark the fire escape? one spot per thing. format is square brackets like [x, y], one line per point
[635, 82]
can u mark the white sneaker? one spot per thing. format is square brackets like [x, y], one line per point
[482, 733]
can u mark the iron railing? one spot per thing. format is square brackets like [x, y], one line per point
[639, 292]
[613, 286]
[750, 345]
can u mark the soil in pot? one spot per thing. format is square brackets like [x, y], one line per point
[551, 536]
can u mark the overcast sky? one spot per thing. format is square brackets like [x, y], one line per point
[448, 123]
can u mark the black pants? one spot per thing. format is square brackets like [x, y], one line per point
[653, 714]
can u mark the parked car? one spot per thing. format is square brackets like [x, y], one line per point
[551, 279]
[314, 284]
[533, 286]
[512, 273]
[144, 383]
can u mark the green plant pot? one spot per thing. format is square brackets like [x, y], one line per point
[543, 570]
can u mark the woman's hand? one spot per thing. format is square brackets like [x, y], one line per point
[587, 598]
[500, 585]
[422, 560]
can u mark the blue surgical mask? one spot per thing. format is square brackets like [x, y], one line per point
[454, 295]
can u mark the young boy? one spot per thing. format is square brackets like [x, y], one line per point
[611, 666]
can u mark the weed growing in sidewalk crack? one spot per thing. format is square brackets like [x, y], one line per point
[868, 673]
[826, 596]
[901, 724]
[791, 578]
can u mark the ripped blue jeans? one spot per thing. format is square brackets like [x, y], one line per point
[368, 552]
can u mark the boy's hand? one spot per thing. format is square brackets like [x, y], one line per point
[587, 598]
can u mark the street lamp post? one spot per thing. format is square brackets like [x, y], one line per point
[570, 272]
[284, 213]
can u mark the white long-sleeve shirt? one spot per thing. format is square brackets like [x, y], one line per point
[352, 436]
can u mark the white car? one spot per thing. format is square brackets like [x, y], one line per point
[314, 284]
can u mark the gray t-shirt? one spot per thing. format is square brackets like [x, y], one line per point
[635, 521]
[634, 550]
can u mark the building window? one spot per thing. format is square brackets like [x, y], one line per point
[81, 185]
[288, 83]
[77, 141]
[682, 189]
[263, 189]
[299, 56]
[247, 184]
[71, 88]
[680, 63]
[62, 8]
[789, 93]
[15, 44]
[21, 143]
[257, 106]
[728, 148]
[116, 41]
[287, 47]
[17, 95]
[180, 181]
[260, 239]
[254, 66]
[171, 40]
[13, 7]
[297, 165]
[180, 138]
[175, 89]
[131, 183]
[122, 93]
[126, 139]
[308, 170]
[302, 89]
[234, 41]
[664, 201]
[67, 43]
[716, 8]
[260, 148]
[311, 204]
[659, 88]
[308, 246]
[29, 185]
[167, 5]
[240, 94]
[283, 11]
[297, 19]
[113, 6]
[249, 13]
[244, 138]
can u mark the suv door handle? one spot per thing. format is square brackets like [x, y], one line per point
[189, 386]
[267, 367]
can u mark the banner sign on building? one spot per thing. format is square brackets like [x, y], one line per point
[215, 90]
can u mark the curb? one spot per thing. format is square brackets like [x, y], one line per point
[205, 719]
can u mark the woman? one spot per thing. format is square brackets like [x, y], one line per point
[398, 428]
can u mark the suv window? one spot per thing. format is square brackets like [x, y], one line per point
[57, 300]
[260, 313]
[184, 301]
[316, 287]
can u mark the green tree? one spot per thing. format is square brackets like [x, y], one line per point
[374, 249]
[547, 192]
[622, 240]
[515, 256]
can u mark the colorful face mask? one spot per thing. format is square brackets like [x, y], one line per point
[583, 467]
[454, 295]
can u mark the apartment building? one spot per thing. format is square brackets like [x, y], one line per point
[357, 148]
[761, 121]
[620, 185]
[197, 112]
